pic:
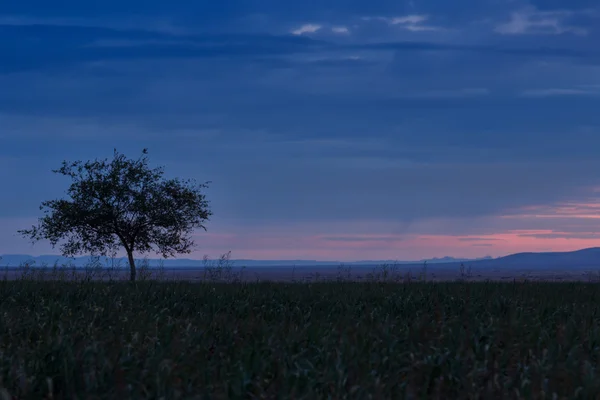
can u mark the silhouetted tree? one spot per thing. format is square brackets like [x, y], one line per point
[122, 203]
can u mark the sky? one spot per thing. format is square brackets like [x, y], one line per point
[331, 130]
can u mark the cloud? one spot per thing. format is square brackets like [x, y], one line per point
[562, 235]
[524, 52]
[412, 22]
[549, 92]
[461, 92]
[409, 19]
[477, 239]
[571, 210]
[341, 30]
[531, 21]
[306, 28]
[362, 241]
[339, 62]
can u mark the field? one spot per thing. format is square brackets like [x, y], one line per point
[67, 338]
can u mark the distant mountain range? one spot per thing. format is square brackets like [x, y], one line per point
[585, 258]
[14, 260]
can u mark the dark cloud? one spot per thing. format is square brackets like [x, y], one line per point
[47, 46]
[38, 46]
[475, 239]
[328, 191]
[435, 47]
[562, 235]
[188, 10]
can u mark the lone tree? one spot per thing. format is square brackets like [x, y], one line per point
[122, 203]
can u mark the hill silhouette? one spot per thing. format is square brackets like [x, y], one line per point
[583, 258]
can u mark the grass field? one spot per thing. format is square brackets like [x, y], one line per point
[83, 339]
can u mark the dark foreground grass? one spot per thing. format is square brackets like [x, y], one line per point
[168, 340]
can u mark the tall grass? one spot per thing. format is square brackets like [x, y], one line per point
[74, 337]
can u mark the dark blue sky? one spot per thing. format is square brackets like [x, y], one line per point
[331, 130]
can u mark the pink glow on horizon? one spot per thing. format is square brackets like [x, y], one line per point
[404, 247]
[408, 246]
[573, 225]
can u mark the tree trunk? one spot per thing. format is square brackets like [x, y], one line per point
[131, 266]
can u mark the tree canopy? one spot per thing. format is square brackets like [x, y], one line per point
[122, 203]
